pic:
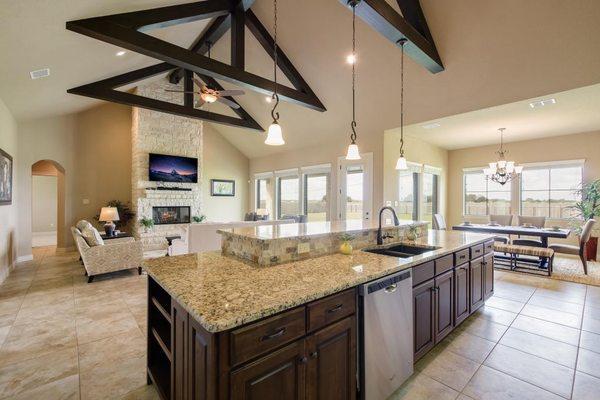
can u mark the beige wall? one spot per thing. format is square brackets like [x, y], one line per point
[223, 161]
[8, 213]
[416, 151]
[571, 147]
[94, 149]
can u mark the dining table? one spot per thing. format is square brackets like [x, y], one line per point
[543, 233]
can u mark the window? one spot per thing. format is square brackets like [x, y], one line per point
[288, 196]
[550, 191]
[354, 192]
[408, 190]
[485, 197]
[261, 193]
[430, 196]
[316, 196]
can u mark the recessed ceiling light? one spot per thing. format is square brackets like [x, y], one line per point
[351, 58]
[268, 99]
[432, 125]
[542, 103]
[40, 73]
[121, 53]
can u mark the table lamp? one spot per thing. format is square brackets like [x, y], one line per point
[262, 213]
[108, 215]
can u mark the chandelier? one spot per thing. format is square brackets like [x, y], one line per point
[502, 171]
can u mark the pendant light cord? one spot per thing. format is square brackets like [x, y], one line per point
[353, 123]
[275, 96]
[402, 43]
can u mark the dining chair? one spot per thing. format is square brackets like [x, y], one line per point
[537, 222]
[586, 232]
[504, 220]
[439, 222]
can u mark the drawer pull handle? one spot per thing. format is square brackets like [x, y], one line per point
[277, 333]
[335, 309]
[314, 354]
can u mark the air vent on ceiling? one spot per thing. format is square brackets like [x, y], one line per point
[40, 73]
[542, 103]
[432, 125]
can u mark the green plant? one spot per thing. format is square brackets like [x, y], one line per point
[125, 213]
[147, 222]
[345, 237]
[589, 206]
[198, 218]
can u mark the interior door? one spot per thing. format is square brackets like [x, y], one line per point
[355, 188]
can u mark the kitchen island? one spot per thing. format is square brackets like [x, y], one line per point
[220, 327]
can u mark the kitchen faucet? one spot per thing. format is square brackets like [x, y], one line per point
[396, 222]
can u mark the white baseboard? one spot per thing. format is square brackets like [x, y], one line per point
[21, 259]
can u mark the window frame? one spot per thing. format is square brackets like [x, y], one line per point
[316, 174]
[473, 171]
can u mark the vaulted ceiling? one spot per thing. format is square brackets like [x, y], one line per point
[494, 53]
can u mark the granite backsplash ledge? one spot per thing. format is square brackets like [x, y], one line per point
[274, 245]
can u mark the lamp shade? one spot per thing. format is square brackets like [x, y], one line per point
[274, 136]
[108, 214]
[353, 153]
[262, 212]
[401, 164]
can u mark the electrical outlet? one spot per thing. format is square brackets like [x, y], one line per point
[303, 248]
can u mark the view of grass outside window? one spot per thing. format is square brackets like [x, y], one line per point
[288, 198]
[484, 197]
[354, 192]
[430, 196]
[316, 199]
[550, 191]
[407, 195]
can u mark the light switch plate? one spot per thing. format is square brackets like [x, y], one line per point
[86, 201]
[303, 248]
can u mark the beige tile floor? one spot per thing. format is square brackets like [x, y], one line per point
[61, 338]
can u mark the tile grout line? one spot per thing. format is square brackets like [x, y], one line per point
[578, 343]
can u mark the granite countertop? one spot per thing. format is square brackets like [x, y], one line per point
[223, 292]
[312, 229]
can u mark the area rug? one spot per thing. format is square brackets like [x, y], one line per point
[570, 269]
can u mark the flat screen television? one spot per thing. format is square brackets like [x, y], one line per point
[165, 168]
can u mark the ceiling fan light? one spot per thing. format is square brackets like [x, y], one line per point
[353, 153]
[274, 136]
[401, 164]
[208, 98]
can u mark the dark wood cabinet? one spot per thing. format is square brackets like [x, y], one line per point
[179, 345]
[279, 375]
[461, 293]
[476, 283]
[424, 318]
[488, 276]
[331, 368]
[202, 356]
[444, 305]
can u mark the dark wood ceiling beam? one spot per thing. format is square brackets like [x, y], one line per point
[188, 87]
[384, 19]
[413, 12]
[260, 32]
[238, 35]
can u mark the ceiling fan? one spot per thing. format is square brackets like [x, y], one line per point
[210, 95]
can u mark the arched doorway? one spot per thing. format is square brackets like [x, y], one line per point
[47, 204]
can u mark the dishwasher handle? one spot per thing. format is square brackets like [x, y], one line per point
[388, 283]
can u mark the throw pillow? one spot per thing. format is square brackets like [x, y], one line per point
[92, 236]
[81, 225]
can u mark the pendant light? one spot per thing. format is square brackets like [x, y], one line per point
[353, 153]
[274, 136]
[401, 164]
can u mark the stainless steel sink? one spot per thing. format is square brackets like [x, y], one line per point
[401, 250]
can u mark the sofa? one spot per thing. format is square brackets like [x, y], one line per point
[114, 255]
[203, 237]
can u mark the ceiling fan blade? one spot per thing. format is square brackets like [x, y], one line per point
[199, 83]
[231, 92]
[199, 103]
[228, 102]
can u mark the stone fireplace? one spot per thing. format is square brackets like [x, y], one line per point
[160, 133]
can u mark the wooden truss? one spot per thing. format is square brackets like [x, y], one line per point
[127, 31]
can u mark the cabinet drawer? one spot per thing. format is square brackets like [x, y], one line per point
[324, 311]
[476, 251]
[444, 264]
[488, 247]
[461, 257]
[260, 337]
[423, 272]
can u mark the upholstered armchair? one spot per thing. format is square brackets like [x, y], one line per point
[116, 255]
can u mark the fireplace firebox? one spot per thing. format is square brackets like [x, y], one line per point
[171, 215]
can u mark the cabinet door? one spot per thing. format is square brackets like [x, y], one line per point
[488, 275]
[423, 316]
[461, 293]
[202, 364]
[331, 371]
[476, 285]
[179, 352]
[444, 305]
[280, 375]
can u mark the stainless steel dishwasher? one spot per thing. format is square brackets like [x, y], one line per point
[386, 335]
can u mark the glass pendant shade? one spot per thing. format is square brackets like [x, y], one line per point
[510, 166]
[274, 136]
[487, 171]
[518, 169]
[401, 164]
[501, 163]
[353, 153]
